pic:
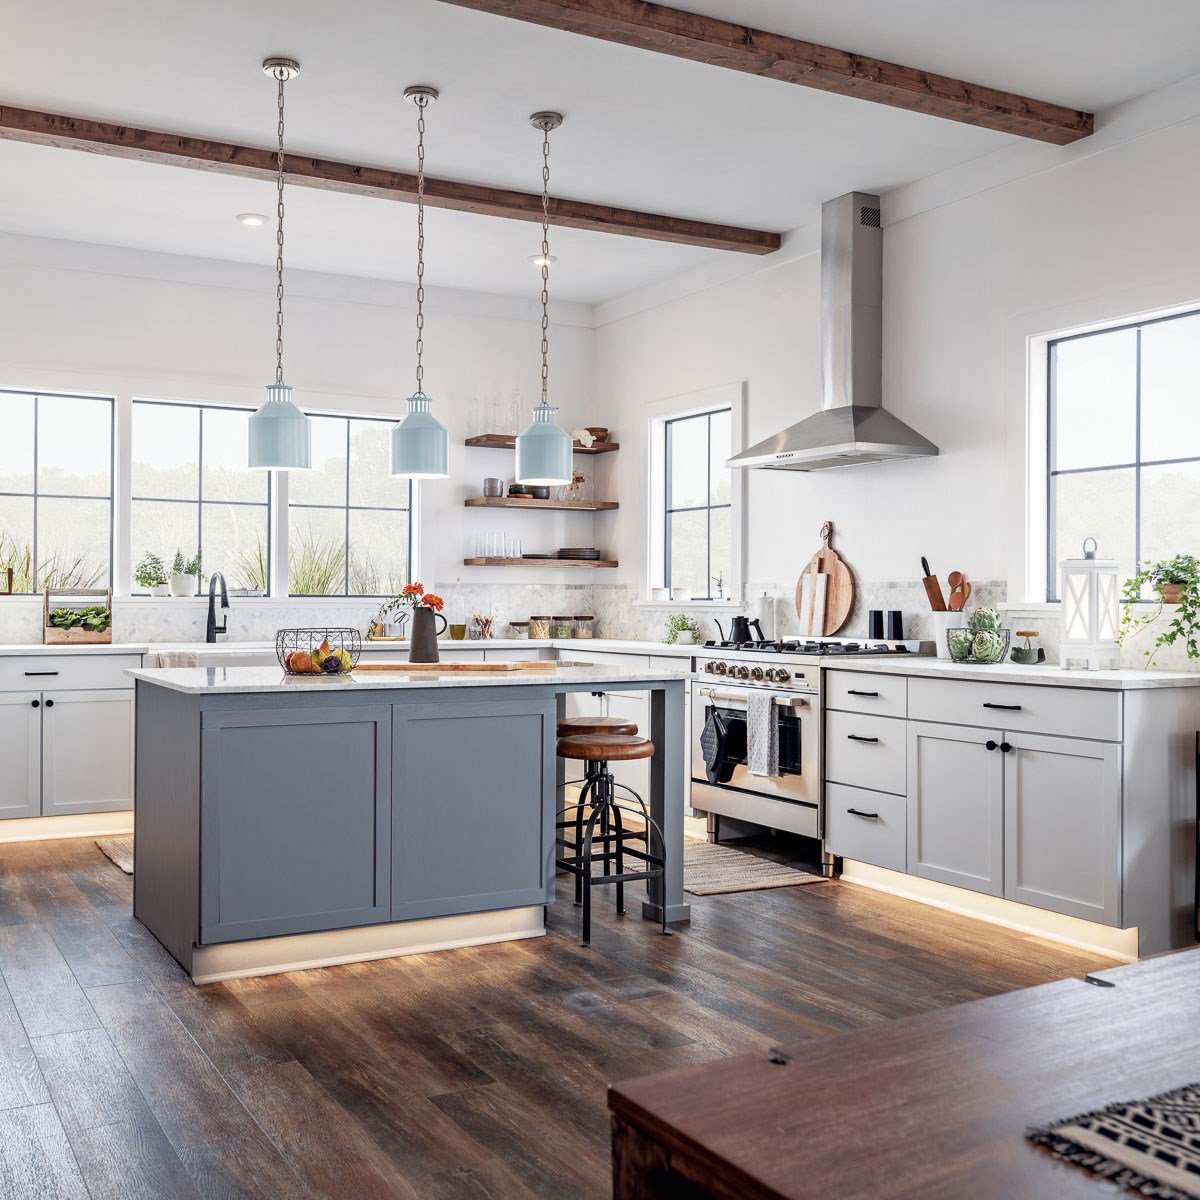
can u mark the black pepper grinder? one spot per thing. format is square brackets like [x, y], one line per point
[895, 625]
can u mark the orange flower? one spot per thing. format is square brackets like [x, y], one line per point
[432, 601]
[413, 589]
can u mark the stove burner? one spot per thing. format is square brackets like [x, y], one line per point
[809, 646]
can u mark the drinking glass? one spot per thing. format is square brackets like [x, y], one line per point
[512, 548]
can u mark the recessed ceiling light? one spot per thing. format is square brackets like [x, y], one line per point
[540, 260]
[252, 218]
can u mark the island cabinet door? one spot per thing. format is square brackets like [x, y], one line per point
[1062, 825]
[473, 805]
[295, 820]
[20, 754]
[956, 806]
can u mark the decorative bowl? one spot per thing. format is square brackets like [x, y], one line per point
[598, 432]
[318, 651]
[977, 646]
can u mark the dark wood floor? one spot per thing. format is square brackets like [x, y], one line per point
[469, 1073]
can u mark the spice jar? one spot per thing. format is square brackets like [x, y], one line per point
[585, 626]
[564, 627]
[539, 628]
[518, 630]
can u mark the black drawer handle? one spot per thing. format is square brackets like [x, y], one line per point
[990, 745]
[869, 816]
[1005, 747]
[49, 703]
[35, 704]
[869, 695]
[41, 672]
[1006, 707]
[854, 737]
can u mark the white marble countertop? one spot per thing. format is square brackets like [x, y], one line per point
[110, 648]
[224, 680]
[1010, 672]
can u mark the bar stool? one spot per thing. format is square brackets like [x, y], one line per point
[598, 819]
[584, 726]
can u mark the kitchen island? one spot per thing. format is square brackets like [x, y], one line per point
[285, 822]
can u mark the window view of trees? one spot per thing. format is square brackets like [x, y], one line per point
[698, 540]
[56, 491]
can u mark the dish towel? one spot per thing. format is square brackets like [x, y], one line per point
[176, 658]
[762, 734]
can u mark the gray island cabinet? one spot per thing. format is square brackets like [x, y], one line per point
[288, 822]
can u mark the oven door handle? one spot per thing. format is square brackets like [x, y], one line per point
[780, 701]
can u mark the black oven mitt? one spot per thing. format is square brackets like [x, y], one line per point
[723, 743]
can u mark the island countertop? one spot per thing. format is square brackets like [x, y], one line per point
[211, 681]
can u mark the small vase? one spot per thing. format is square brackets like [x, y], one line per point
[161, 589]
[423, 646]
[183, 585]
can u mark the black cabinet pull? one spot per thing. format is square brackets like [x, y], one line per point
[854, 737]
[869, 695]
[1005, 747]
[989, 745]
[35, 704]
[41, 672]
[869, 816]
[49, 703]
[1006, 707]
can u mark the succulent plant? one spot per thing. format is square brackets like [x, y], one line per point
[984, 620]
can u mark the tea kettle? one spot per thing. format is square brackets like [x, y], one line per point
[739, 630]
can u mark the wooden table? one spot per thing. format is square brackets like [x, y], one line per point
[933, 1106]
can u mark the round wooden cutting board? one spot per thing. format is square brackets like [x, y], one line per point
[839, 584]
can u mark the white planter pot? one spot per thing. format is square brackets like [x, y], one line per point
[684, 638]
[183, 585]
[681, 594]
[161, 589]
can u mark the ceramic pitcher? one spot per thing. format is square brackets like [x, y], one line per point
[422, 645]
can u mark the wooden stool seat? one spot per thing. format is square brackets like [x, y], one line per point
[575, 726]
[605, 747]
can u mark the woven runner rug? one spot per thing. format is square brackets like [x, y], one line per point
[710, 870]
[1149, 1147]
[120, 850]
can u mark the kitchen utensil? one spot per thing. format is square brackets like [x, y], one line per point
[739, 629]
[875, 624]
[959, 591]
[812, 614]
[518, 489]
[445, 667]
[933, 589]
[539, 491]
[895, 625]
[1028, 655]
[757, 627]
[831, 610]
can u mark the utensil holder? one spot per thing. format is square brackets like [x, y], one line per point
[295, 647]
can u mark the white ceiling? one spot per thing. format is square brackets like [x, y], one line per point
[642, 130]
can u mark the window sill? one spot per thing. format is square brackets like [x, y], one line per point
[1030, 608]
[703, 605]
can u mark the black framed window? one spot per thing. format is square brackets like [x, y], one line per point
[349, 519]
[194, 495]
[698, 533]
[56, 490]
[1123, 444]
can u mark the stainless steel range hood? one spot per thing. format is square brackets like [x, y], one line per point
[853, 426]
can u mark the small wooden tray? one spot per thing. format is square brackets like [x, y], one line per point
[445, 667]
[53, 636]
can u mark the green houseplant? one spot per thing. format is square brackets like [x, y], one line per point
[151, 574]
[185, 575]
[682, 629]
[1174, 581]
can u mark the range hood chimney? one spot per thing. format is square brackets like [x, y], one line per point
[853, 426]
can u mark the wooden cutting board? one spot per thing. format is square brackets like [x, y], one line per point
[444, 668]
[839, 586]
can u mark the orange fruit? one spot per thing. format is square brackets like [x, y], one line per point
[299, 662]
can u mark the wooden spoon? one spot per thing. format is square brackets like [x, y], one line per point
[958, 591]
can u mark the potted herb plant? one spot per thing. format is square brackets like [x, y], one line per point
[185, 575]
[151, 574]
[682, 630]
[1174, 581]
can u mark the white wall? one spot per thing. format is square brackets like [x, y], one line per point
[102, 319]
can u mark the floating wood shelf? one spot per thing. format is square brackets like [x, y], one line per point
[539, 562]
[508, 441]
[530, 502]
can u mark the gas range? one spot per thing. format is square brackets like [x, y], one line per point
[774, 663]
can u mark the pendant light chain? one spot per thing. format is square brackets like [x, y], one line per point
[545, 262]
[422, 102]
[281, 75]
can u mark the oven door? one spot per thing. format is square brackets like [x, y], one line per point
[799, 778]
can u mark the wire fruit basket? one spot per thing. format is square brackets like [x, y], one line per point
[318, 651]
[984, 646]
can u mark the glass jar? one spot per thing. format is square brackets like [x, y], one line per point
[585, 626]
[564, 627]
[539, 628]
[518, 630]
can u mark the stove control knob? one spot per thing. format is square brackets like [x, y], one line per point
[741, 672]
[710, 667]
[717, 668]
[757, 673]
[780, 675]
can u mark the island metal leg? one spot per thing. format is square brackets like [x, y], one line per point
[667, 800]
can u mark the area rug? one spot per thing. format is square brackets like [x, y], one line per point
[713, 870]
[1150, 1147]
[120, 850]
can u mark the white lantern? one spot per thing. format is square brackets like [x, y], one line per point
[1090, 604]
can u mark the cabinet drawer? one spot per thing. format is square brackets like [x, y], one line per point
[603, 658]
[867, 752]
[867, 826]
[1024, 708]
[49, 672]
[862, 692]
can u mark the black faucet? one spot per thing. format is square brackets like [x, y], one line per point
[212, 628]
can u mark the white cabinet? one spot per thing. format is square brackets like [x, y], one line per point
[87, 751]
[20, 754]
[1062, 825]
[956, 806]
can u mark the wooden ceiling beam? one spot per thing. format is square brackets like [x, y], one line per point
[224, 158]
[773, 56]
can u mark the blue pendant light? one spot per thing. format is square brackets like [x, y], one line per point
[543, 449]
[420, 443]
[280, 434]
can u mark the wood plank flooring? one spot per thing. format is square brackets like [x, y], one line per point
[470, 1073]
